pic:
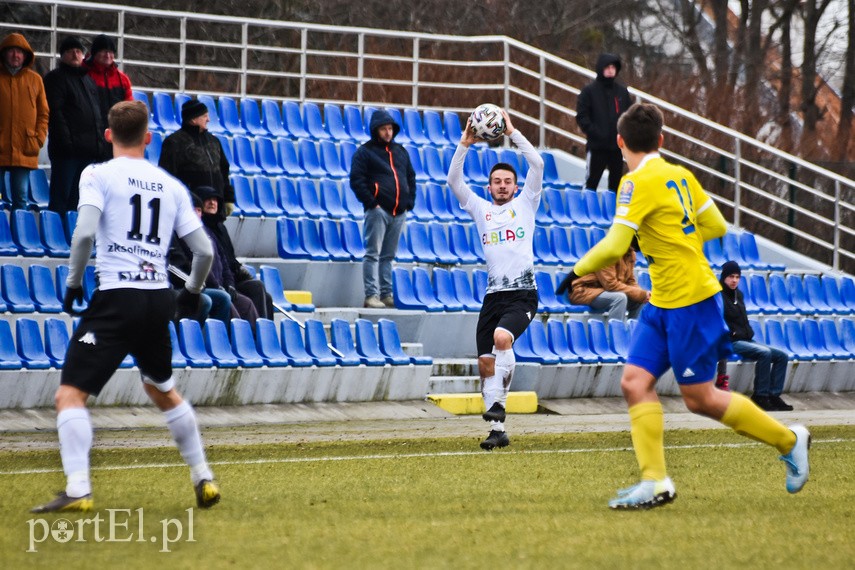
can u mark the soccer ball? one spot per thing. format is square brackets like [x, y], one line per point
[487, 122]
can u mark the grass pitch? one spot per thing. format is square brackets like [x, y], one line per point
[441, 503]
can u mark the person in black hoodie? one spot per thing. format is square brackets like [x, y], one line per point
[383, 179]
[770, 369]
[598, 107]
[76, 126]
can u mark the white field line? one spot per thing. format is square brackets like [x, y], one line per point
[403, 456]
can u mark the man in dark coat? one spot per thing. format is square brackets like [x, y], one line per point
[383, 179]
[598, 107]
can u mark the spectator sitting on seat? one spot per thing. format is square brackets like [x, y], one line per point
[195, 156]
[770, 369]
[612, 289]
[214, 221]
[23, 118]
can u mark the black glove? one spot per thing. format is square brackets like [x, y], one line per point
[72, 294]
[567, 283]
[186, 305]
[232, 293]
[242, 274]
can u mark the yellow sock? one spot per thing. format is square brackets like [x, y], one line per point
[647, 427]
[745, 418]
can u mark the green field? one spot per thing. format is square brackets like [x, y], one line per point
[440, 504]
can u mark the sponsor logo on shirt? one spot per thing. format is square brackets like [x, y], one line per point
[147, 272]
[625, 194]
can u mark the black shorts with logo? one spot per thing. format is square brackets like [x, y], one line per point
[510, 310]
[119, 322]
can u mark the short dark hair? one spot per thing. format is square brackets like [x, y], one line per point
[128, 122]
[640, 127]
[503, 166]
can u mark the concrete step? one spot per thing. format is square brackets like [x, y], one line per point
[453, 384]
[455, 367]
[413, 348]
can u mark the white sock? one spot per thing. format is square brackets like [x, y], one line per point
[75, 441]
[492, 391]
[505, 363]
[497, 426]
[185, 431]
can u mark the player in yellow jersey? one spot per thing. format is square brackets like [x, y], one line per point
[682, 327]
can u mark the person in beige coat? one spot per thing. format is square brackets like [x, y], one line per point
[612, 289]
[23, 119]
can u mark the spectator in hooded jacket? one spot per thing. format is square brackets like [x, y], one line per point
[76, 132]
[612, 289]
[111, 84]
[383, 179]
[23, 118]
[598, 107]
[195, 157]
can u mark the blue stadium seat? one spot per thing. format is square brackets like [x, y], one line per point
[542, 250]
[152, 150]
[796, 341]
[439, 244]
[272, 281]
[453, 130]
[775, 337]
[463, 290]
[551, 179]
[489, 157]
[600, 342]
[644, 280]
[217, 344]
[554, 200]
[523, 352]
[458, 242]
[366, 342]
[352, 204]
[308, 194]
[475, 241]
[730, 247]
[608, 200]
[421, 212]
[543, 215]
[318, 347]
[596, 234]
[228, 151]
[192, 344]
[443, 287]
[404, 254]
[619, 338]
[293, 345]
[419, 241]
[61, 276]
[348, 149]
[331, 199]
[351, 239]
[245, 155]
[579, 343]
[750, 253]
[9, 359]
[25, 234]
[310, 239]
[153, 127]
[288, 240]
[39, 194]
[314, 122]
[577, 208]
[331, 241]
[547, 301]
[215, 126]
[52, 233]
[798, 296]
[833, 296]
[244, 200]
[7, 245]
[847, 289]
[266, 154]
[56, 341]
[293, 119]
[413, 127]
[454, 207]
[779, 296]
[267, 344]
[243, 344]
[31, 349]
[434, 130]
[309, 160]
[271, 119]
[814, 341]
[342, 340]
[565, 297]
[43, 290]
[433, 165]
[539, 343]
[758, 331]
[335, 123]
[847, 336]
[424, 291]
[177, 102]
[389, 343]
[163, 112]
[833, 340]
[289, 200]
[229, 116]
[331, 160]
[250, 118]
[557, 338]
[479, 284]
[473, 169]
[561, 245]
[404, 293]
[592, 202]
[816, 295]
[714, 253]
[416, 163]
[760, 294]
[353, 123]
[265, 197]
[16, 294]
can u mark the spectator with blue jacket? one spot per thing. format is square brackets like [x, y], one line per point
[383, 179]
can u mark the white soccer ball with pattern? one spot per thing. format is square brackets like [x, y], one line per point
[487, 122]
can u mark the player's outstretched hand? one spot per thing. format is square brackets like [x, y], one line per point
[72, 294]
[567, 283]
[186, 305]
[468, 138]
[509, 127]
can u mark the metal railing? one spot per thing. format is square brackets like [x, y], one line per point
[774, 194]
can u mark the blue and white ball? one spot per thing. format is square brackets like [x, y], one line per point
[487, 122]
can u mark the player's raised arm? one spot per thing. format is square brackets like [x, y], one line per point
[455, 171]
[534, 178]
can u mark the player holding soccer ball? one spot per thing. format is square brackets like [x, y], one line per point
[682, 327]
[506, 227]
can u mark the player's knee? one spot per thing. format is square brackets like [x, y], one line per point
[69, 397]
[502, 339]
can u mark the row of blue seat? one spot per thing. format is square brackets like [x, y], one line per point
[809, 339]
[214, 345]
[790, 294]
[39, 193]
[33, 234]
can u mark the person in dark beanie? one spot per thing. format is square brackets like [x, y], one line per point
[770, 369]
[195, 156]
[598, 107]
[111, 84]
[76, 131]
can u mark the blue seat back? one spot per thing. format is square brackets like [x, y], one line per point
[266, 156]
[351, 239]
[271, 118]
[314, 122]
[293, 345]
[832, 295]
[330, 234]
[816, 294]
[334, 122]
[56, 341]
[217, 344]
[414, 128]
[288, 198]
[15, 292]
[317, 346]
[479, 284]
[31, 349]
[164, 113]
[458, 241]
[403, 292]
[243, 344]
[265, 197]
[419, 242]
[556, 334]
[579, 342]
[309, 160]
[463, 290]
[331, 160]
[424, 290]
[433, 128]
[439, 244]
[9, 359]
[229, 115]
[308, 194]
[600, 341]
[390, 342]
[354, 125]
[577, 208]
[43, 290]
[310, 239]
[245, 155]
[293, 120]
[25, 234]
[366, 341]
[250, 118]
[444, 290]
[7, 244]
[39, 194]
[267, 343]
[542, 248]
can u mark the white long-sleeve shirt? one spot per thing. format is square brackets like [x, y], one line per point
[506, 231]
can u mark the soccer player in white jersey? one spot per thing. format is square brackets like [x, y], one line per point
[506, 227]
[129, 208]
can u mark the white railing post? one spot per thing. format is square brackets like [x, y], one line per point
[244, 57]
[737, 180]
[836, 252]
[415, 101]
[182, 58]
[53, 18]
[304, 44]
[507, 82]
[121, 30]
[360, 68]
[542, 102]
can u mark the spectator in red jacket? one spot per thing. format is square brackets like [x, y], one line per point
[111, 85]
